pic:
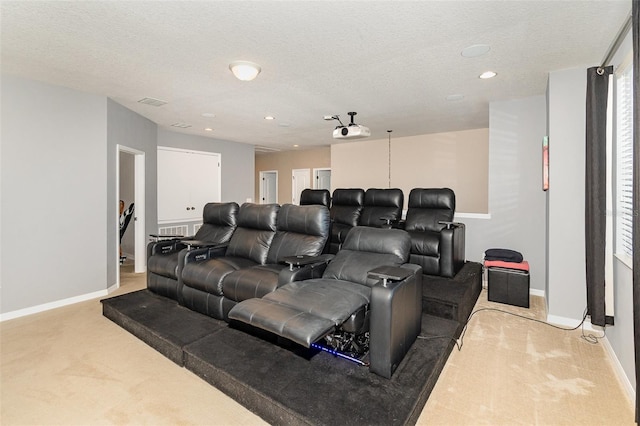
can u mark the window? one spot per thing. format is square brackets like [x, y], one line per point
[624, 162]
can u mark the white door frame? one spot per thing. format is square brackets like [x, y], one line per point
[140, 251]
[315, 175]
[261, 185]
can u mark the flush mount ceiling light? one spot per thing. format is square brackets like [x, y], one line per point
[487, 74]
[208, 129]
[244, 70]
[269, 117]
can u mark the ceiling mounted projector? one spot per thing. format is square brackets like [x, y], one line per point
[352, 131]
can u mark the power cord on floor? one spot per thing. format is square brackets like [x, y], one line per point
[590, 338]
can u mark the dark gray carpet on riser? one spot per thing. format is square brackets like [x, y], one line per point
[453, 298]
[159, 322]
[285, 383]
[290, 387]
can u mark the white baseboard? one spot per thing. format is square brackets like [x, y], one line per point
[536, 292]
[620, 373]
[57, 304]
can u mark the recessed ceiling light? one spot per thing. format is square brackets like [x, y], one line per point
[269, 117]
[475, 50]
[296, 145]
[456, 97]
[181, 125]
[284, 124]
[208, 114]
[487, 74]
[208, 129]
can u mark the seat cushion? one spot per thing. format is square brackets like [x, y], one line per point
[256, 281]
[331, 299]
[304, 311]
[365, 249]
[425, 243]
[164, 264]
[208, 275]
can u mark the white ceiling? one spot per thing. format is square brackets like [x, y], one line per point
[394, 62]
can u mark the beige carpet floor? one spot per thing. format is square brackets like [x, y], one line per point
[72, 366]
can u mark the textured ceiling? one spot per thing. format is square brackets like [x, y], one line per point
[394, 62]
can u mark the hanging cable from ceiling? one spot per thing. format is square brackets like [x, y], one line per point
[389, 132]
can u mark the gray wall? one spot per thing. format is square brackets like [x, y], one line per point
[566, 298]
[53, 189]
[516, 201]
[238, 162]
[125, 127]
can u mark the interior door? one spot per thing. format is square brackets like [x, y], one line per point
[301, 179]
[268, 187]
[322, 179]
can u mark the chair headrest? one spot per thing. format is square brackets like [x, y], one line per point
[221, 214]
[348, 197]
[392, 197]
[309, 220]
[432, 198]
[315, 196]
[258, 216]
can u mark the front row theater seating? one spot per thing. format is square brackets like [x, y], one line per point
[215, 279]
[368, 298]
[437, 243]
[163, 257]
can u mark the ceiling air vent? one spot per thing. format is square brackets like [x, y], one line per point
[264, 149]
[181, 125]
[152, 101]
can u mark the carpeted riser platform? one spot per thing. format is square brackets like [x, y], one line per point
[282, 384]
[453, 298]
[159, 322]
[322, 389]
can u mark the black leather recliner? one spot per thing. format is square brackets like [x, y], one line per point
[346, 206]
[354, 296]
[302, 232]
[214, 280]
[382, 207]
[437, 243]
[315, 196]
[164, 257]
[204, 269]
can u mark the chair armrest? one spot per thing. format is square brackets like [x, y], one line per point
[449, 225]
[452, 249]
[304, 269]
[205, 253]
[303, 260]
[193, 244]
[158, 237]
[164, 247]
[390, 274]
[396, 315]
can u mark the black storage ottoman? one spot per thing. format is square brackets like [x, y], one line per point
[510, 286]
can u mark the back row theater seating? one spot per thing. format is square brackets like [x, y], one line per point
[437, 243]
[354, 207]
[215, 279]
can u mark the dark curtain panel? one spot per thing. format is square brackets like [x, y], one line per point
[596, 190]
[635, 25]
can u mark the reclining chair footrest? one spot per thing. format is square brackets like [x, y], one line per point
[300, 327]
